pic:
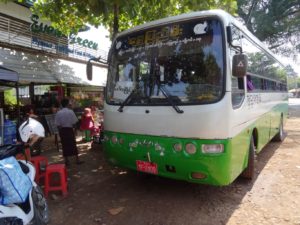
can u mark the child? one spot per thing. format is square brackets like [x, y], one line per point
[97, 123]
[87, 123]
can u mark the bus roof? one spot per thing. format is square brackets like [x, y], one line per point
[226, 18]
[185, 16]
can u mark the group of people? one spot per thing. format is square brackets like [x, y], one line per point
[66, 120]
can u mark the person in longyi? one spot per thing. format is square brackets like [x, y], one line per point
[65, 120]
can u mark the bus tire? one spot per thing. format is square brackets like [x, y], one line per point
[248, 173]
[280, 135]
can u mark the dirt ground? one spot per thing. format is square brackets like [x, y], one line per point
[101, 194]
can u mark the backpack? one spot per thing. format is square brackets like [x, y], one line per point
[14, 184]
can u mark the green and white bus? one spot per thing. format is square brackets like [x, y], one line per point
[192, 97]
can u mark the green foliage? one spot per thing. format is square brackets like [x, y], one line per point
[259, 63]
[293, 82]
[274, 21]
[70, 15]
[9, 97]
[293, 79]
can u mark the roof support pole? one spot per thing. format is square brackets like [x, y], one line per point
[1, 99]
[18, 104]
[31, 93]
[68, 90]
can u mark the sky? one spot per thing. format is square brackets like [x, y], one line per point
[98, 35]
[295, 65]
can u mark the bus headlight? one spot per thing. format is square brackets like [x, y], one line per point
[212, 148]
[121, 141]
[106, 138]
[114, 139]
[190, 148]
[177, 147]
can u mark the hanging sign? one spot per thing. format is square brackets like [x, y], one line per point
[37, 27]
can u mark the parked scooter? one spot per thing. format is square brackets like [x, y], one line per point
[34, 210]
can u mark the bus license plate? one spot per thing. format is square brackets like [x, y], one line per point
[147, 167]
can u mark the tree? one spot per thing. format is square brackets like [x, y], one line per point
[9, 97]
[116, 15]
[293, 79]
[293, 82]
[275, 22]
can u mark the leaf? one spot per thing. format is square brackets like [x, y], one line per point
[71, 15]
[115, 211]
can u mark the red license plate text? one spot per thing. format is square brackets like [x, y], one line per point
[147, 167]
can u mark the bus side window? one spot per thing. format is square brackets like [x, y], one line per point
[237, 84]
[237, 91]
[241, 83]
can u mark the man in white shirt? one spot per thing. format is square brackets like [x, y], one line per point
[65, 119]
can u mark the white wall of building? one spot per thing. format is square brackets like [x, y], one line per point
[39, 68]
[17, 11]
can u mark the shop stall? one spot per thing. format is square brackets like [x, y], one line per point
[8, 128]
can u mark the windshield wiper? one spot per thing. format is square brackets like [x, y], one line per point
[163, 90]
[127, 100]
[169, 98]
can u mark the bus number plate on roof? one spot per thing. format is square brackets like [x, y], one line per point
[146, 167]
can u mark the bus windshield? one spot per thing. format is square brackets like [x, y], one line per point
[178, 63]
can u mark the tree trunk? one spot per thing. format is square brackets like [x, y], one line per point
[248, 21]
[116, 20]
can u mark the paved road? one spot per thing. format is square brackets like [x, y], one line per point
[294, 101]
[108, 196]
[294, 107]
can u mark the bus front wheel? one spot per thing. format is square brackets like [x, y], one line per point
[248, 173]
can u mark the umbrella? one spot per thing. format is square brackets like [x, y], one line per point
[8, 75]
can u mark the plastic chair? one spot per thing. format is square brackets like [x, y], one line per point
[59, 169]
[40, 163]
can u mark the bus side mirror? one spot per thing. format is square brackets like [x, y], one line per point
[239, 65]
[89, 70]
[229, 34]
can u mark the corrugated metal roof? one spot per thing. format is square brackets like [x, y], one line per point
[44, 69]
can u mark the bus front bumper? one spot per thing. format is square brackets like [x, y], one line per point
[156, 155]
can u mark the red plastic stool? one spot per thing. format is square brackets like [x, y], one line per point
[59, 169]
[40, 163]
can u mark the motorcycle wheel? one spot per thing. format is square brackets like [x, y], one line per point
[11, 221]
[40, 207]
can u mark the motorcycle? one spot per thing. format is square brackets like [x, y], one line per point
[34, 209]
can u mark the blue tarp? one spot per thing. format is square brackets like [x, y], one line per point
[8, 75]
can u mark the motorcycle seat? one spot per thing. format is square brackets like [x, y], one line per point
[25, 206]
[10, 150]
[24, 168]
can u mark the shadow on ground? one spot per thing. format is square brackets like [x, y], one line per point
[102, 194]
